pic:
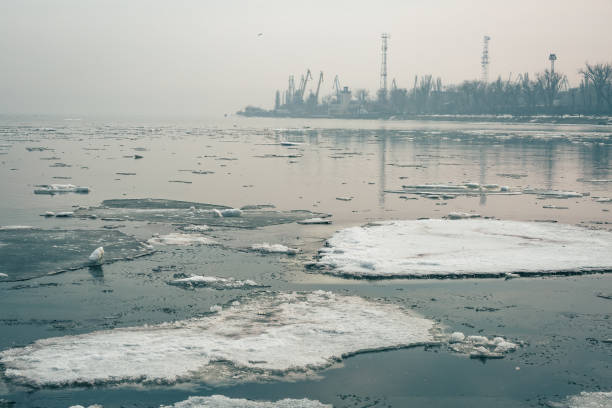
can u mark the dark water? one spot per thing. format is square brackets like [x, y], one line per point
[563, 323]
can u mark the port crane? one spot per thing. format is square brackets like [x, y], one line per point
[318, 87]
[337, 87]
[303, 82]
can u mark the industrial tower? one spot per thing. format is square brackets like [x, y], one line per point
[484, 62]
[552, 58]
[383, 67]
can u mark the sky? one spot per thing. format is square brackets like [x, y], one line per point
[200, 57]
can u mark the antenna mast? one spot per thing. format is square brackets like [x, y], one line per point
[383, 68]
[484, 62]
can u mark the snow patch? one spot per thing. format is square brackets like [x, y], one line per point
[221, 401]
[269, 336]
[439, 248]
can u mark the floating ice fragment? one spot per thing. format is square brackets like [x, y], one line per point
[217, 213]
[317, 220]
[64, 214]
[269, 336]
[457, 337]
[472, 248]
[274, 249]
[216, 309]
[15, 227]
[176, 238]
[220, 401]
[3, 275]
[483, 352]
[97, 256]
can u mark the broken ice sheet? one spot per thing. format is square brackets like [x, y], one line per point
[268, 336]
[214, 282]
[221, 401]
[465, 248]
[27, 253]
[190, 213]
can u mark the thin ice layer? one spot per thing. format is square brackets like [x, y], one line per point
[439, 248]
[221, 401]
[27, 253]
[269, 336]
[189, 213]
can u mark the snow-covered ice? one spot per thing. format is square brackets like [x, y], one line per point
[267, 248]
[214, 282]
[176, 238]
[270, 335]
[586, 400]
[475, 247]
[221, 401]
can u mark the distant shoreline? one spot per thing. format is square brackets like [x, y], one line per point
[551, 119]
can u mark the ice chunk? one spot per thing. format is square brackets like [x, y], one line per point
[217, 213]
[483, 352]
[269, 336]
[220, 401]
[317, 220]
[457, 337]
[97, 256]
[196, 228]
[486, 248]
[64, 214]
[274, 249]
[213, 282]
[3, 275]
[586, 400]
[231, 212]
[176, 238]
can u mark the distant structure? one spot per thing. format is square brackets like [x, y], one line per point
[552, 58]
[383, 67]
[484, 62]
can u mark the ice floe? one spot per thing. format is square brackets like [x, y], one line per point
[221, 401]
[60, 188]
[267, 248]
[586, 400]
[214, 282]
[177, 238]
[268, 336]
[475, 247]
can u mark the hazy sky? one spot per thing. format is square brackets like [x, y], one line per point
[204, 57]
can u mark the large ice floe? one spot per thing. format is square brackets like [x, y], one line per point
[278, 336]
[221, 401]
[60, 188]
[188, 213]
[586, 400]
[464, 248]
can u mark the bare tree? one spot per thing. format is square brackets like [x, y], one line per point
[549, 84]
[599, 75]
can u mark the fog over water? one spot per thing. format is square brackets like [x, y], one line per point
[194, 58]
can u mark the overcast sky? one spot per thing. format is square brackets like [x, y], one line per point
[203, 57]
